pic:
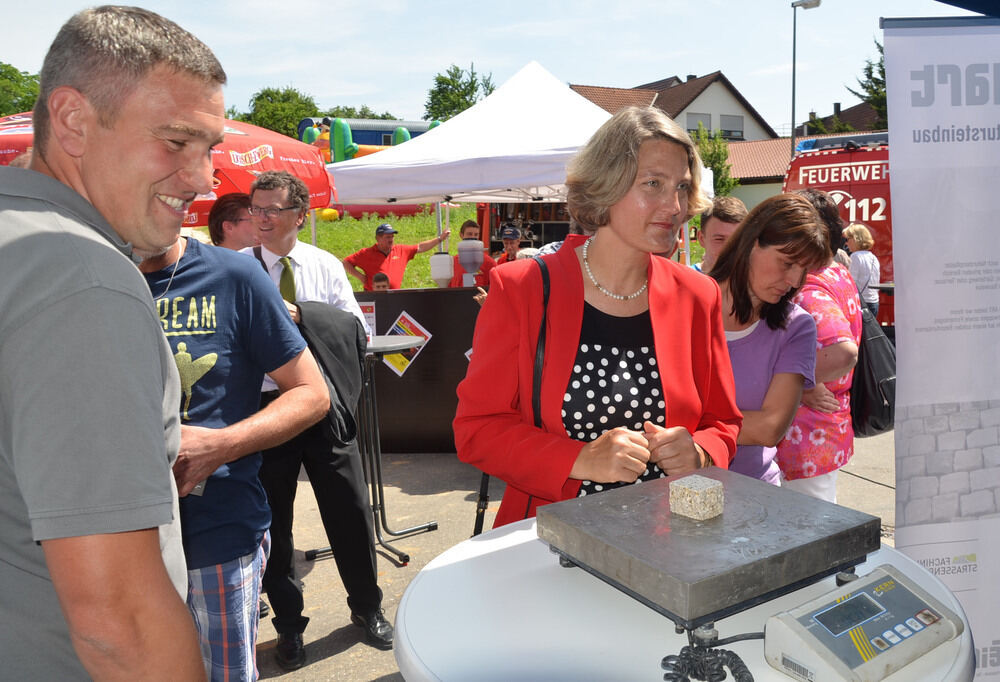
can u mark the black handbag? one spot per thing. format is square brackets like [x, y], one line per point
[873, 391]
[536, 401]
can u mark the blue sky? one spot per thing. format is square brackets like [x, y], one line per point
[385, 53]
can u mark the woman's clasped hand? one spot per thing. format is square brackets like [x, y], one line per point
[621, 455]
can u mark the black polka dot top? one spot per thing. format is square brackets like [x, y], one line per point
[615, 382]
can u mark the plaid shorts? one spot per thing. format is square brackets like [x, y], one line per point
[224, 600]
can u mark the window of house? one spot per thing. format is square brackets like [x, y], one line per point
[731, 126]
[694, 119]
[387, 139]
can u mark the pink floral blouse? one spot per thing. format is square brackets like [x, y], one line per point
[817, 442]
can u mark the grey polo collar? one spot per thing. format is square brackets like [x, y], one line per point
[20, 182]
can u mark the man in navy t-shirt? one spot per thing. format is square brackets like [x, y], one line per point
[227, 327]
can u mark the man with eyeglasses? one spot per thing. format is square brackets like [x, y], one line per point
[278, 204]
[229, 222]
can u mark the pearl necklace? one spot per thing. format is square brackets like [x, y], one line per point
[610, 294]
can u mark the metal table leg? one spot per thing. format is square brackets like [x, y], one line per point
[371, 454]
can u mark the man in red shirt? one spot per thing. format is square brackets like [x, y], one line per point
[470, 230]
[511, 238]
[384, 256]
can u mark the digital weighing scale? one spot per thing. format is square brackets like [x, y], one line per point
[768, 542]
[865, 630]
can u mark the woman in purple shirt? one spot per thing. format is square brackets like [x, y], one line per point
[772, 341]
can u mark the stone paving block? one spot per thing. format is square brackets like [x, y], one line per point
[986, 479]
[923, 486]
[953, 440]
[945, 507]
[945, 408]
[940, 463]
[924, 445]
[978, 503]
[966, 420]
[913, 427]
[990, 417]
[967, 460]
[977, 405]
[982, 437]
[916, 512]
[912, 466]
[957, 482]
[991, 456]
[936, 424]
[918, 411]
[902, 491]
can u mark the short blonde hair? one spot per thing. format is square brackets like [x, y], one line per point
[601, 174]
[861, 235]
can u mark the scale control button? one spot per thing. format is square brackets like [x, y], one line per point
[926, 616]
[903, 630]
[892, 637]
[914, 624]
[880, 643]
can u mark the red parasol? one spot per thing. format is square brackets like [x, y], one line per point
[246, 152]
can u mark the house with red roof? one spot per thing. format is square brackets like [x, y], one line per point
[711, 100]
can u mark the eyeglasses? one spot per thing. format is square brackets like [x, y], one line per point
[270, 213]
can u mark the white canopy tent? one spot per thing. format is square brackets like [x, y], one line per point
[511, 146]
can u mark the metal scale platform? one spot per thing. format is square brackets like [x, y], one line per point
[767, 542]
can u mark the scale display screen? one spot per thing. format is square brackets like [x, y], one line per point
[849, 614]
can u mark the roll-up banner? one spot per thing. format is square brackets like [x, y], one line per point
[943, 85]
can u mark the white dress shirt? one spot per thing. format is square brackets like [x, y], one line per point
[319, 276]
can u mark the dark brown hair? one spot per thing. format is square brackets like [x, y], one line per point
[787, 221]
[226, 209]
[828, 212]
[726, 209]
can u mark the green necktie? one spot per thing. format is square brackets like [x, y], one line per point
[286, 285]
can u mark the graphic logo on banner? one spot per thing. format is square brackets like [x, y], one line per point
[970, 85]
[255, 155]
[368, 310]
[405, 325]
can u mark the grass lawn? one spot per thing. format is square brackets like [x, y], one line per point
[344, 237]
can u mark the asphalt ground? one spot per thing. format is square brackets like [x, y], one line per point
[436, 486]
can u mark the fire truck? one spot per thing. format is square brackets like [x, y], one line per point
[854, 169]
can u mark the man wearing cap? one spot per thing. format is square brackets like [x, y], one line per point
[385, 256]
[511, 238]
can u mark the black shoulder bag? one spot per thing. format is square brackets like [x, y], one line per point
[536, 399]
[873, 390]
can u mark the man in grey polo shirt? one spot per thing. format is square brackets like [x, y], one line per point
[91, 566]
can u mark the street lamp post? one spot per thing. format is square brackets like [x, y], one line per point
[804, 4]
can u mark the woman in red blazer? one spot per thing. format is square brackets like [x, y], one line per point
[636, 381]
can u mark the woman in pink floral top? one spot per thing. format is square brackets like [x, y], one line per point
[821, 438]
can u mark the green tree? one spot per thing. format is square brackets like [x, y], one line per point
[454, 91]
[279, 110]
[714, 152]
[18, 90]
[364, 112]
[873, 88]
[815, 126]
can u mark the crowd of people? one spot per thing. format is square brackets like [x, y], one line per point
[202, 378]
